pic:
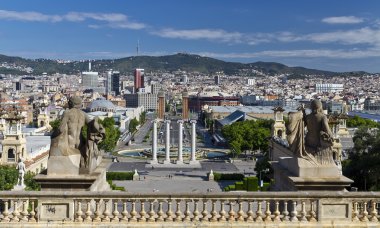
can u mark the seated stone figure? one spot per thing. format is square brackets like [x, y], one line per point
[68, 144]
[316, 146]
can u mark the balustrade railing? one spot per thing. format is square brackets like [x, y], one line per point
[230, 208]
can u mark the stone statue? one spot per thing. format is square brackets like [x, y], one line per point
[316, 146]
[21, 172]
[68, 139]
[95, 134]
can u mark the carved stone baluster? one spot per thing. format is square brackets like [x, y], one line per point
[115, 212]
[79, 212]
[293, 214]
[213, 212]
[285, 212]
[160, 212]
[277, 213]
[373, 212]
[151, 213]
[303, 212]
[106, 212]
[222, 212]
[178, 213]
[88, 211]
[313, 215]
[250, 212]
[204, 212]
[259, 213]
[5, 212]
[124, 213]
[231, 213]
[15, 213]
[365, 213]
[268, 214]
[32, 214]
[169, 213]
[187, 212]
[97, 211]
[142, 211]
[355, 212]
[195, 212]
[240, 213]
[133, 211]
[24, 212]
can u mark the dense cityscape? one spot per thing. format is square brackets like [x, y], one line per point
[206, 123]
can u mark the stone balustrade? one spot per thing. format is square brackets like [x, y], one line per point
[258, 209]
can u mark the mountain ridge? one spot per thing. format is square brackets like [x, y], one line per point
[179, 61]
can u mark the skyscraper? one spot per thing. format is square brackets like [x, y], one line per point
[139, 79]
[90, 78]
[113, 82]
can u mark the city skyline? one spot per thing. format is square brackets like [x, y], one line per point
[323, 35]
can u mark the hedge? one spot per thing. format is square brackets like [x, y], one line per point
[252, 184]
[114, 187]
[239, 186]
[265, 187]
[228, 176]
[119, 175]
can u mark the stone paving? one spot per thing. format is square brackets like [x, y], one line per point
[178, 180]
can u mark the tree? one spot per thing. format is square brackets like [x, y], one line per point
[248, 135]
[112, 135]
[9, 177]
[357, 121]
[363, 163]
[133, 125]
[55, 124]
[142, 117]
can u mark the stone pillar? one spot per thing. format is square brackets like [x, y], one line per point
[193, 138]
[154, 143]
[167, 143]
[180, 141]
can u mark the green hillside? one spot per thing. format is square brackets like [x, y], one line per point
[166, 63]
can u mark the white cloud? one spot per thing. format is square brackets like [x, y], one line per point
[343, 20]
[364, 35]
[196, 34]
[309, 53]
[114, 20]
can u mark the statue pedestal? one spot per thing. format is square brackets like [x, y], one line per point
[55, 180]
[298, 174]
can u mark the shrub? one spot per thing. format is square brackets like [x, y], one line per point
[252, 184]
[228, 176]
[226, 189]
[265, 187]
[231, 187]
[119, 176]
[239, 186]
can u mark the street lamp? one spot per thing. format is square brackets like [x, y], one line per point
[261, 181]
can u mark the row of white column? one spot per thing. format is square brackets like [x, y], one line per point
[167, 142]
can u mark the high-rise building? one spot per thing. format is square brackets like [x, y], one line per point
[90, 78]
[139, 79]
[185, 105]
[113, 82]
[217, 79]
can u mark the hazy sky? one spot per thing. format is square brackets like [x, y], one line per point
[331, 35]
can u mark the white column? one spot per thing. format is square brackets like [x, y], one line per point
[193, 137]
[180, 139]
[167, 142]
[154, 143]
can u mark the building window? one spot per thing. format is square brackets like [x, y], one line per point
[11, 155]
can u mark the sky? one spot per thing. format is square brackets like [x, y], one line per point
[339, 35]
